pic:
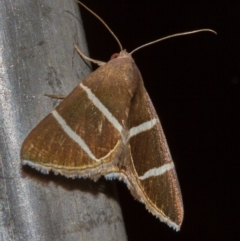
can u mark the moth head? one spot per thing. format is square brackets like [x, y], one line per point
[122, 54]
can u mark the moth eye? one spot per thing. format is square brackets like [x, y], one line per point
[114, 56]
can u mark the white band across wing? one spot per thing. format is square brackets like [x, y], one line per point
[142, 127]
[157, 171]
[67, 129]
[73, 135]
[102, 108]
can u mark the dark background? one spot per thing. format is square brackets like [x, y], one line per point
[194, 84]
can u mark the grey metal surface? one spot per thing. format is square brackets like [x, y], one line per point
[37, 57]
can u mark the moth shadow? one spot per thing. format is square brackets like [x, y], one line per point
[102, 186]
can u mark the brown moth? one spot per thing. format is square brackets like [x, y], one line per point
[107, 126]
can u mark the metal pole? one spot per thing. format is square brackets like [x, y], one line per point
[37, 57]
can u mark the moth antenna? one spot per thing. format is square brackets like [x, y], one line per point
[121, 48]
[172, 36]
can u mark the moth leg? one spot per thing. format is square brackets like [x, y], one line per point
[55, 96]
[98, 62]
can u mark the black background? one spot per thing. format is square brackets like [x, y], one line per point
[194, 84]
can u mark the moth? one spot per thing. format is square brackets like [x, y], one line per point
[107, 126]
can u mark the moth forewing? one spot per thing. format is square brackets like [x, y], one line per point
[153, 166]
